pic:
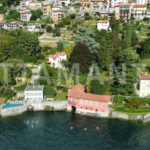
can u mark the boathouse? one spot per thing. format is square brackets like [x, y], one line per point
[88, 104]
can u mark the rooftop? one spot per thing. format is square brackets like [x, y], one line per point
[34, 88]
[103, 21]
[78, 91]
[144, 77]
[58, 54]
[137, 6]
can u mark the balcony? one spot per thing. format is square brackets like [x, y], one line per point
[72, 102]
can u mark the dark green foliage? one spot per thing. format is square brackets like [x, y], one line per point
[128, 58]
[144, 50]
[87, 16]
[73, 16]
[97, 88]
[56, 32]
[49, 91]
[81, 55]
[134, 103]
[10, 2]
[28, 48]
[103, 54]
[60, 46]
[6, 92]
[36, 14]
[48, 29]
[13, 15]
[63, 22]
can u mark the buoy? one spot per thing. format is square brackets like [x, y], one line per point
[71, 128]
[85, 129]
[97, 128]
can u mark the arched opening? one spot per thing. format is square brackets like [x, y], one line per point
[73, 109]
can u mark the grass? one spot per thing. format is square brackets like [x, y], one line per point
[61, 96]
[143, 110]
[20, 88]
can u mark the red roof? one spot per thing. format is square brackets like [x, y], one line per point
[103, 21]
[78, 91]
[122, 5]
[2, 15]
[97, 0]
[58, 54]
[136, 6]
[145, 77]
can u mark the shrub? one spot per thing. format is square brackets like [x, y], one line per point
[49, 91]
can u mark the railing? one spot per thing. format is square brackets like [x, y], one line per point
[71, 102]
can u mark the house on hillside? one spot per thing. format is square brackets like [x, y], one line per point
[85, 5]
[56, 59]
[103, 25]
[24, 4]
[34, 94]
[34, 27]
[25, 15]
[15, 25]
[139, 11]
[46, 8]
[34, 5]
[88, 104]
[123, 12]
[143, 85]
[57, 15]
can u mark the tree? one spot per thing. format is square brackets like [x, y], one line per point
[87, 16]
[103, 54]
[28, 48]
[60, 46]
[81, 55]
[127, 58]
[13, 15]
[49, 29]
[97, 88]
[86, 35]
[56, 32]
[36, 14]
[134, 103]
[49, 91]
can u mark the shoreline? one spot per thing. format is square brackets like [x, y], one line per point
[62, 106]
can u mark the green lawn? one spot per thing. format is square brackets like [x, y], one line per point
[61, 96]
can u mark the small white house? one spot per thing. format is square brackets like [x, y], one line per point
[34, 93]
[34, 27]
[24, 4]
[103, 25]
[25, 15]
[34, 5]
[56, 59]
[143, 86]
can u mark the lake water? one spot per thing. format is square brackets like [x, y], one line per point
[66, 131]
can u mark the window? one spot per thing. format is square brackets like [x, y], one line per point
[73, 101]
[102, 106]
[81, 102]
[86, 103]
[91, 104]
[96, 104]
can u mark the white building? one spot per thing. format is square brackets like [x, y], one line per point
[34, 93]
[143, 85]
[24, 4]
[139, 11]
[25, 15]
[141, 2]
[56, 59]
[64, 2]
[103, 25]
[34, 27]
[34, 5]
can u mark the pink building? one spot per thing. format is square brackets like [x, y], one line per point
[88, 104]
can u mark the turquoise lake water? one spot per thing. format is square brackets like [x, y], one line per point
[66, 131]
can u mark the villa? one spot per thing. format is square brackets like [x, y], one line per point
[34, 5]
[56, 59]
[34, 27]
[34, 94]
[103, 25]
[25, 15]
[88, 104]
[143, 85]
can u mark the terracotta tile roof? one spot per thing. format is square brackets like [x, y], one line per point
[84, 0]
[97, 0]
[103, 21]
[58, 54]
[144, 77]
[78, 91]
[123, 5]
[136, 6]
[35, 2]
